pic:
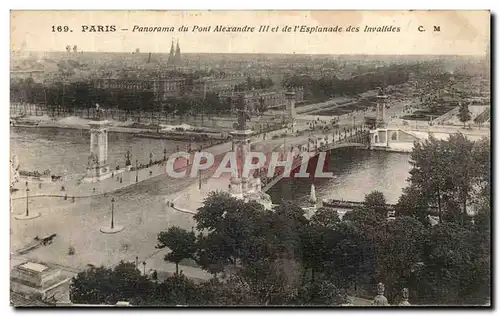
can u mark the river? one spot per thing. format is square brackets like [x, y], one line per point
[66, 151]
[356, 172]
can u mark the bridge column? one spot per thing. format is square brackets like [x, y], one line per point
[98, 167]
[381, 102]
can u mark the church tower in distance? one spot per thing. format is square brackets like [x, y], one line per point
[171, 56]
[174, 58]
[177, 54]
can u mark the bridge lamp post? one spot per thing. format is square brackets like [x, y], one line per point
[27, 200]
[112, 213]
[284, 143]
[136, 171]
[199, 175]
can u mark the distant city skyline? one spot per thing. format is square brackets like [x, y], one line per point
[462, 32]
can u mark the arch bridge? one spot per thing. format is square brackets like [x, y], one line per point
[355, 138]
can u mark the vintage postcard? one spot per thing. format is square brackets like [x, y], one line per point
[250, 158]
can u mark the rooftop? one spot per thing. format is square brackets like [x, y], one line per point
[34, 266]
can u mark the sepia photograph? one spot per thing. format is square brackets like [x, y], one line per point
[250, 158]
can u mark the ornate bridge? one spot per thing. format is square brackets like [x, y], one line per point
[355, 137]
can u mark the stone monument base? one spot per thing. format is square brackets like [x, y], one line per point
[236, 188]
[97, 174]
[114, 230]
[310, 211]
[23, 217]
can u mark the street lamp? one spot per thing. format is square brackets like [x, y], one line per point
[199, 175]
[136, 171]
[112, 229]
[27, 196]
[27, 215]
[112, 213]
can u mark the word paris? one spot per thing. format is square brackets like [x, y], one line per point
[233, 164]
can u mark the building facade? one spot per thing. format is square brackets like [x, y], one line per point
[162, 88]
[261, 99]
[219, 85]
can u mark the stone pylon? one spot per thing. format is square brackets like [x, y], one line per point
[98, 167]
[381, 104]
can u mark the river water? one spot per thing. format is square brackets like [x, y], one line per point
[66, 151]
[356, 172]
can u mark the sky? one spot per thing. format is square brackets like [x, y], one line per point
[461, 32]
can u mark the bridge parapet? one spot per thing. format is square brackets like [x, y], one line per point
[356, 137]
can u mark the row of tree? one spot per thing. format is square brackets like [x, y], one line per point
[254, 84]
[331, 86]
[83, 95]
[282, 257]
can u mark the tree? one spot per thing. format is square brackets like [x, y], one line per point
[430, 169]
[463, 171]
[365, 219]
[173, 291]
[236, 232]
[399, 249]
[321, 292]
[288, 221]
[108, 286]
[317, 245]
[481, 153]
[464, 113]
[273, 282]
[215, 207]
[326, 217]
[209, 255]
[231, 292]
[413, 203]
[181, 243]
[376, 201]
[454, 268]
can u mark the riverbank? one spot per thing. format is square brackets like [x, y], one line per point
[78, 123]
